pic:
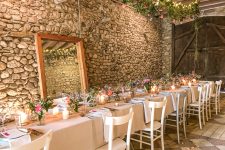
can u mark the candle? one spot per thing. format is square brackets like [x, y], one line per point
[154, 89]
[55, 110]
[116, 104]
[173, 87]
[189, 83]
[194, 80]
[65, 114]
[22, 118]
[184, 81]
[102, 99]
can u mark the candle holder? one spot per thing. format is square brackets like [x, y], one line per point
[21, 119]
[173, 87]
[102, 99]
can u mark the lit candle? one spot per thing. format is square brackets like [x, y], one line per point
[55, 110]
[189, 83]
[173, 87]
[65, 114]
[194, 80]
[116, 104]
[23, 118]
[184, 81]
[102, 99]
[154, 89]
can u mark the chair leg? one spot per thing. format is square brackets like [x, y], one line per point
[141, 139]
[216, 102]
[203, 115]
[152, 141]
[184, 125]
[206, 112]
[178, 130]
[162, 138]
[219, 103]
[210, 113]
[199, 118]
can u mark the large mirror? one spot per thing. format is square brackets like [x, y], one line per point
[61, 64]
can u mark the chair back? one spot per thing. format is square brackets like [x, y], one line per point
[113, 121]
[211, 85]
[218, 87]
[41, 143]
[207, 91]
[157, 104]
[200, 96]
[193, 98]
[181, 102]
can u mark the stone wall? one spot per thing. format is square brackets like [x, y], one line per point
[62, 76]
[120, 44]
[166, 47]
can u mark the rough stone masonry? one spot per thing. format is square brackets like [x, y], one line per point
[120, 44]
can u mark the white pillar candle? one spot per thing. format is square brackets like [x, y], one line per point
[173, 87]
[23, 118]
[55, 110]
[194, 80]
[189, 83]
[184, 81]
[102, 99]
[65, 114]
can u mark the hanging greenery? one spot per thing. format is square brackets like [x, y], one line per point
[55, 54]
[176, 11]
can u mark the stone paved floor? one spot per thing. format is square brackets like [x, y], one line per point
[211, 137]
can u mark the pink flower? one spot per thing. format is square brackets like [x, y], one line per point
[67, 100]
[146, 80]
[38, 108]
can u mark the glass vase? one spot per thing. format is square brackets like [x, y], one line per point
[41, 120]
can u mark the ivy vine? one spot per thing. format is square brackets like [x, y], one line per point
[56, 54]
[176, 11]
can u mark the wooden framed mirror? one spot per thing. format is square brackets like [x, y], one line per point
[61, 64]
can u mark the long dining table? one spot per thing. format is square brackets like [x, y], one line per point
[88, 132]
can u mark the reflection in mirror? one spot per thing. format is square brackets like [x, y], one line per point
[61, 64]
[61, 67]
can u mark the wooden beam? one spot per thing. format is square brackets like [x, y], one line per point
[58, 45]
[17, 34]
[49, 44]
[184, 50]
[184, 34]
[68, 45]
[218, 33]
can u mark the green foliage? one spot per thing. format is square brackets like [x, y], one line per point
[169, 8]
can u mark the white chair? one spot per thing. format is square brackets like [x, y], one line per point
[197, 107]
[178, 117]
[211, 87]
[38, 144]
[207, 102]
[118, 144]
[153, 126]
[216, 96]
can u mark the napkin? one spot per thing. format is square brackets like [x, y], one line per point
[103, 112]
[15, 138]
[145, 105]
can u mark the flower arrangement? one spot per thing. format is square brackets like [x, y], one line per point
[146, 84]
[74, 102]
[40, 107]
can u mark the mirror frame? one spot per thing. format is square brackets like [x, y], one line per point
[40, 60]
